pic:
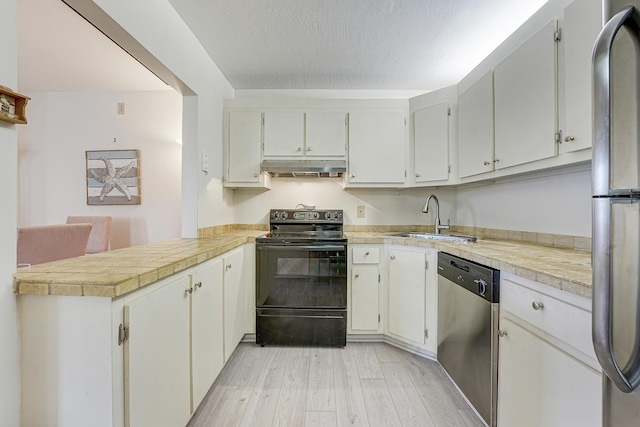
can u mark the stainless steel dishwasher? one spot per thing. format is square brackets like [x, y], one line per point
[468, 310]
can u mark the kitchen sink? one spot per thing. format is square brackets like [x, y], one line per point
[441, 237]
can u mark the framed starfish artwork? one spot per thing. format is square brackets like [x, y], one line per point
[113, 177]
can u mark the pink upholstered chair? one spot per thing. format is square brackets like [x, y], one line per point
[46, 243]
[100, 233]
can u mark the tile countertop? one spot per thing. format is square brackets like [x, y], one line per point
[118, 272]
[115, 273]
[566, 269]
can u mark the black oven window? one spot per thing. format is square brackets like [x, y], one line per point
[299, 278]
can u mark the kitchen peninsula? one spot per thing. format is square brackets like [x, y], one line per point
[102, 333]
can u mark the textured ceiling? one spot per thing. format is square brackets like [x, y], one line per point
[280, 44]
[351, 44]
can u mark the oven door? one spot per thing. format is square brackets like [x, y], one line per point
[310, 275]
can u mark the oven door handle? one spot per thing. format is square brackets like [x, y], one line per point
[302, 316]
[290, 246]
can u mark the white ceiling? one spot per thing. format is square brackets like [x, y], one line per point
[280, 44]
[351, 44]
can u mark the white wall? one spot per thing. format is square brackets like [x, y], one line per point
[157, 26]
[9, 360]
[62, 126]
[382, 206]
[558, 204]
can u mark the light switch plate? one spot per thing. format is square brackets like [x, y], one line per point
[204, 162]
[360, 211]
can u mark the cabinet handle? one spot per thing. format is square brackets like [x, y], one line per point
[502, 333]
[487, 163]
[366, 253]
[356, 276]
[353, 176]
[255, 175]
[308, 148]
[228, 266]
[299, 149]
[496, 160]
[188, 291]
[417, 175]
[392, 257]
[198, 285]
[537, 305]
[569, 138]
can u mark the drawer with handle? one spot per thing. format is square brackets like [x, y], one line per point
[564, 316]
[366, 255]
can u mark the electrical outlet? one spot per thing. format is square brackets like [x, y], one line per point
[360, 211]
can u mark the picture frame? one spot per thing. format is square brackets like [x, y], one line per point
[113, 177]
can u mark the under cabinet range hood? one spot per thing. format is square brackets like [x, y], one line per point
[304, 168]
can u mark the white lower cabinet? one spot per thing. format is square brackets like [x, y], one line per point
[156, 357]
[175, 348]
[207, 353]
[364, 307]
[234, 301]
[546, 379]
[412, 296]
[76, 371]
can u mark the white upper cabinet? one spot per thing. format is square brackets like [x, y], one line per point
[243, 147]
[310, 134]
[431, 143]
[283, 133]
[582, 23]
[377, 147]
[326, 134]
[525, 101]
[475, 128]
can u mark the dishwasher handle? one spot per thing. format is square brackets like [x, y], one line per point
[480, 280]
[459, 266]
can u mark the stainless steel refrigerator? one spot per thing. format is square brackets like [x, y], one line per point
[616, 210]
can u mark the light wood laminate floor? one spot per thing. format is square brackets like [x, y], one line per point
[362, 384]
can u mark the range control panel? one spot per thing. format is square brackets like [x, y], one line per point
[305, 216]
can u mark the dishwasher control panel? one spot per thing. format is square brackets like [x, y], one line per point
[479, 279]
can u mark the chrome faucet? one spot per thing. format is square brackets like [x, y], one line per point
[436, 222]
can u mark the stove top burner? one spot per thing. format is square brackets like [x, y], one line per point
[305, 225]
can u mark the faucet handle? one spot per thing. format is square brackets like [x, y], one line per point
[445, 227]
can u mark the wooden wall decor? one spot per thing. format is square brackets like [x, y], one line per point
[113, 177]
[13, 106]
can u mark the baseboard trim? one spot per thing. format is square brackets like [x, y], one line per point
[251, 338]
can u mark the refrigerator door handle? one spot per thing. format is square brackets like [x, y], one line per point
[601, 253]
[602, 98]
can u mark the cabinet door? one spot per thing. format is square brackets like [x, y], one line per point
[326, 133]
[245, 136]
[407, 280]
[582, 23]
[206, 328]
[364, 298]
[540, 385]
[283, 133]
[475, 128]
[234, 301]
[525, 101]
[431, 143]
[156, 358]
[376, 147]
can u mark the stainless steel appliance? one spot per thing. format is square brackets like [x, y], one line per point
[468, 312]
[301, 279]
[616, 211]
